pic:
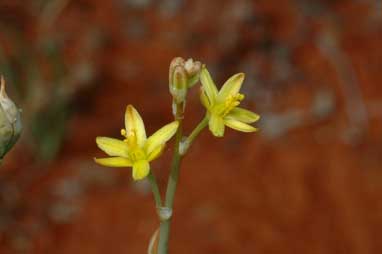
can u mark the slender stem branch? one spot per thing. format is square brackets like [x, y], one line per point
[197, 130]
[174, 175]
[155, 189]
[164, 229]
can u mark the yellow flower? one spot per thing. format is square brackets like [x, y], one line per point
[136, 150]
[222, 106]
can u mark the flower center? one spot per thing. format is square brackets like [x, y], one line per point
[137, 154]
[223, 108]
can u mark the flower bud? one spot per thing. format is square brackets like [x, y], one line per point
[186, 72]
[10, 122]
[193, 69]
[178, 87]
[175, 62]
[182, 75]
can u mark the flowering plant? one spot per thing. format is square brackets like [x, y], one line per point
[137, 151]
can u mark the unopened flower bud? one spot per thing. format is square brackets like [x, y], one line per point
[175, 62]
[193, 70]
[178, 84]
[192, 67]
[182, 75]
[10, 122]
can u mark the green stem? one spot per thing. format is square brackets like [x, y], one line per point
[164, 229]
[173, 180]
[197, 131]
[155, 189]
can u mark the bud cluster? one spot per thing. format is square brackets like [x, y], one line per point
[182, 75]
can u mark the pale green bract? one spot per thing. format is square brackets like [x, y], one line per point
[10, 122]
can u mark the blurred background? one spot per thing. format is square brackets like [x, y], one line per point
[310, 181]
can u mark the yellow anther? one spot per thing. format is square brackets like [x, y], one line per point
[240, 96]
[230, 103]
[130, 137]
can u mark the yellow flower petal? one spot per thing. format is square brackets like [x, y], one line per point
[204, 99]
[114, 162]
[141, 169]
[231, 87]
[112, 147]
[208, 85]
[240, 126]
[161, 136]
[135, 128]
[243, 115]
[155, 153]
[216, 125]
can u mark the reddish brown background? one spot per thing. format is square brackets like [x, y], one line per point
[310, 181]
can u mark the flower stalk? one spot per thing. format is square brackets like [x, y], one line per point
[155, 190]
[183, 75]
[164, 229]
[187, 142]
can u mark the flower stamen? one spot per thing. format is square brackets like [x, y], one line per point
[222, 109]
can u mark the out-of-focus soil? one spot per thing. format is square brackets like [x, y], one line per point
[310, 181]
